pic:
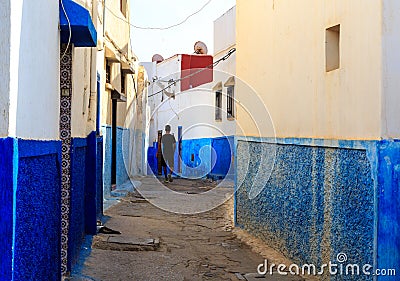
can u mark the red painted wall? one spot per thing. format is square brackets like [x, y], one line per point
[190, 64]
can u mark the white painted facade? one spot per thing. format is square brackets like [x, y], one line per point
[390, 69]
[194, 109]
[29, 99]
[31, 71]
[137, 117]
[5, 23]
[286, 67]
[115, 50]
[225, 31]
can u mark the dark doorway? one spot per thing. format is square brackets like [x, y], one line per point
[115, 97]
[114, 143]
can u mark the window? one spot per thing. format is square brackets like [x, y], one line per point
[122, 83]
[218, 105]
[108, 73]
[230, 102]
[332, 48]
[123, 7]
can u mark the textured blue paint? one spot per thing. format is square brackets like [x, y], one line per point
[152, 159]
[389, 206]
[317, 200]
[37, 148]
[6, 207]
[99, 178]
[86, 192]
[77, 202]
[83, 31]
[223, 158]
[352, 144]
[37, 211]
[122, 155]
[201, 161]
[98, 111]
[91, 185]
[30, 176]
[107, 146]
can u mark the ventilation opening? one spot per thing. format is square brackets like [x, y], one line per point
[332, 48]
[192, 157]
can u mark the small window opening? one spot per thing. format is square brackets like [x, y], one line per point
[218, 105]
[332, 48]
[123, 83]
[108, 73]
[230, 102]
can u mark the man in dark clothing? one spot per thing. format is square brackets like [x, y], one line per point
[168, 145]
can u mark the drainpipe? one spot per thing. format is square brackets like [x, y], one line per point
[94, 95]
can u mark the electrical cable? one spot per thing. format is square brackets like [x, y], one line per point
[69, 27]
[161, 28]
[227, 55]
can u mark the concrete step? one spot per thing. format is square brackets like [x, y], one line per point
[125, 243]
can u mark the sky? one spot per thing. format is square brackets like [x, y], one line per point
[177, 40]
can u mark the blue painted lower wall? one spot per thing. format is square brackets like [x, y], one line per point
[99, 178]
[37, 212]
[86, 192]
[196, 158]
[224, 157]
[388, 206]
[6, 207]
[30, 204]
[107, 149]
[206, 157]
[323, 200]
[152, 159]
[123, 137]
[77, 205]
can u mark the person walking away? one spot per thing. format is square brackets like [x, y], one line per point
[168, 146]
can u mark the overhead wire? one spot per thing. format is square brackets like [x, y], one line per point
[227, 55]
[160, 28]
[69, 28]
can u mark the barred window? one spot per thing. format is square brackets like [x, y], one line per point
[218, 105]
[230, 106]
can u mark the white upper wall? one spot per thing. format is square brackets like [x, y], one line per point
[194, 109]
[116, 27]
[225, 31]
[281, 55]
[5, 23]
[84, 91]
[34, 70]
[391, 69]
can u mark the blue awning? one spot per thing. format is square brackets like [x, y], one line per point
[83, 31]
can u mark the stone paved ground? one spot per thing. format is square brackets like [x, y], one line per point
[198, 246]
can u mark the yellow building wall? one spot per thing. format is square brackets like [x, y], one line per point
[281, 58]
[116, 49]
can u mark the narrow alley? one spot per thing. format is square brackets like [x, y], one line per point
[200, 140]
[160, 245]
